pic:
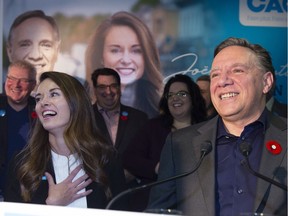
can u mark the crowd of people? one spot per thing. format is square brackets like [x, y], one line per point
[79, 145]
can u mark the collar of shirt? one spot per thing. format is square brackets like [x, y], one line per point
[261, 121]
[109, 113]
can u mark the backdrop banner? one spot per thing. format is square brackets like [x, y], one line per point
[184, 32]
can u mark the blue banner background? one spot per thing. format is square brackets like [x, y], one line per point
[201, 25]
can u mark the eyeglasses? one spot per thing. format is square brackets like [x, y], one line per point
[181, 94]
[113, 87]
[21, 80]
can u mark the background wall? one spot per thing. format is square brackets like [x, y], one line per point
[186, 31]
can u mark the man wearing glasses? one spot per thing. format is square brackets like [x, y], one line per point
[16, 112]
[117, 123]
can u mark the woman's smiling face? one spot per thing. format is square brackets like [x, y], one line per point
[179, 101]
[122, 52]
[52, 107]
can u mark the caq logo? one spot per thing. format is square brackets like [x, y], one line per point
[270, 13]
[267, 5]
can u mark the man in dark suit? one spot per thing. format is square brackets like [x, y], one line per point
[16, 112]
[117, 123]
[241, 76]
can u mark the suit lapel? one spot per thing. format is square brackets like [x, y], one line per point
[121, 127]
[100, 122]
[270, 161]
[3, 130]
[206, 171]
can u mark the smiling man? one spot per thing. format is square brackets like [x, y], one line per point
[118, 123]
[241, 77]
[34, 37]
[16, 112]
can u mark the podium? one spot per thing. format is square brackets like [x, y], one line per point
[21, 209]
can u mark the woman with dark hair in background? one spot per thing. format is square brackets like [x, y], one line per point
[181, 105]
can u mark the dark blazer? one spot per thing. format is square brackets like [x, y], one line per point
[127, 128]
[279, 108]
[96, 199]
[141, 156]
[4, 127]
[195, 194]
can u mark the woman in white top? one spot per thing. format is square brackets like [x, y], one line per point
[66, 161]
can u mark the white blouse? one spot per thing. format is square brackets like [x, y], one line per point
[63, 166]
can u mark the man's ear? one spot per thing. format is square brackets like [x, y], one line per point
[268, 82]
[9, 51]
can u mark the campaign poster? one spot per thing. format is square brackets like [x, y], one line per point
[184, 32]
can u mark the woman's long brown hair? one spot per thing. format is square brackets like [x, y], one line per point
[81, 137]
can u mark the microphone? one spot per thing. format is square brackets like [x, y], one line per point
[246, 149]
[206, 148]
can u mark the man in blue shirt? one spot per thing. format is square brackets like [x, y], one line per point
[241, 77]
[16, 112]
